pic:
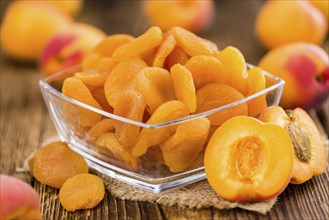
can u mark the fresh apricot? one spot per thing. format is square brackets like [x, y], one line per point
[206, 69]
[156, 85]
[56, 162]
[150, 39]
[243, 161]
[28, 18]
[180, 149]
[153, 136]
[235, 67]
[71, 7]
[215, 95]
[18, 199]
[310, 155]
[83, 191]
[256, 83]
[75, 89]
[283, 22]
[192, 44]
[184, 86]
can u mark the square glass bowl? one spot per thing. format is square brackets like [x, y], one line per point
[150, 174]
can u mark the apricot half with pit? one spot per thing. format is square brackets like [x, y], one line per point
[244, 162]
[310, 157]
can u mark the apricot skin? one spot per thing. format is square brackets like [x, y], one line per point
[18, 199]
[244, 163]
[317, 164]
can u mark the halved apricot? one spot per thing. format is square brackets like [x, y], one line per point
[192, 44]
[235, 66]
[106, 46]
[256, 83]
[214, 95]
[122, 78]
[180, 149]
[153, 136]
[110, 142]
[184, 86]
[244, 162]
[206, 69]
[150, 39]
[164, 50]
[310, 156]
[75, 89]
[156, 85]
[130, 105]
[176, 56]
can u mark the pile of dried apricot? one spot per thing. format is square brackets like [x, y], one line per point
[155, 78]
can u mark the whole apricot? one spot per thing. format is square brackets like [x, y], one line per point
[68, 6]
[27, 27]
[282, 22]
[68, 48]
[195, 15]
[305, 70]
[18, 199]
[323, 6]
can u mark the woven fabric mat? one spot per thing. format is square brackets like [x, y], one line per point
[197, 195]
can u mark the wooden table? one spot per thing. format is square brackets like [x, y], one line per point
[25, 122]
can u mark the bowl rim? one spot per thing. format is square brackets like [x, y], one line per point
[45, 86]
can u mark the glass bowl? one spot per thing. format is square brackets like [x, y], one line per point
[149, 174]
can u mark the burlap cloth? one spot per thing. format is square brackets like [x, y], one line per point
[197, 195]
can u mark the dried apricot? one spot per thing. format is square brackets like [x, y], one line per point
[164, 50]
[206, 69]
[235, 66]
[192, 44]
[90, 60]
[130, 105]
[75, 89]
[112, 42]
[153, 136]
[100, 128]
[184, 86]
[176, 56]
[156, 85]
[180, 149]
[215, 95]
[150, 39]
[97, 62]
[83, 191]
[110, 142]
[99, 96]
[56, 162]
[92, 77]
[122, 78]
[256, 83]
[243, 161]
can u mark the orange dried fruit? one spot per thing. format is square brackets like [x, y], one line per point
[206, 69]
[90, 60]
[83, 191]
[101, 127]
[176, 56]
[192, 44]
[150, 39]
[180, 149]
[156, 86]
[214, 95]
[54, 163]
[119, 151]
[153, 136]
[102, 64]
[92, 77]
[184, 86]
[122, 78]
[112, 42]
[243, 161]
[130, 105]
[99, 96]
[256, 83]
[235, 67]
[164, 50]
[75, 89]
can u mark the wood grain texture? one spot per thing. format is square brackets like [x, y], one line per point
[25, 122]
